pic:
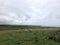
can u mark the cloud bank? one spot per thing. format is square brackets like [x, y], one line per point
[30, 12]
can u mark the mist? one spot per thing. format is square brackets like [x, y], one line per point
[30, 12]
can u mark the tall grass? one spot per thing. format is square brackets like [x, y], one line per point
[26, 38]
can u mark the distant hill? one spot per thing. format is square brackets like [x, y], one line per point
[16, 27]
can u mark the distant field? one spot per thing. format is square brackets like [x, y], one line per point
[18, 27]
[19, 37]
[27, 35]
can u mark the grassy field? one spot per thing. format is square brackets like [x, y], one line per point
[21, 37]
[27, 35]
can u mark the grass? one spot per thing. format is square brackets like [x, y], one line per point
[19, 37]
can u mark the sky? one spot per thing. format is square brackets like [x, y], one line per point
[30, 12]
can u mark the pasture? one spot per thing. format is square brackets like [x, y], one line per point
[28, 36]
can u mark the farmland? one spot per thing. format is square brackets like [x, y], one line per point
[27, 35]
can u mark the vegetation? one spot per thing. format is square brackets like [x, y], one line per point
[19, 37]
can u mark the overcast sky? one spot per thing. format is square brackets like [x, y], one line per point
[30, 12]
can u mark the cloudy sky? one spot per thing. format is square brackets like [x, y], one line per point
[30, 12]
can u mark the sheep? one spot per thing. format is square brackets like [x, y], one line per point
[28, 30]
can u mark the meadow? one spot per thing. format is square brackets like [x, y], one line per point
[28, 36]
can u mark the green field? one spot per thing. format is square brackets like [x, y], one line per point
[28, 35]
[21, 37]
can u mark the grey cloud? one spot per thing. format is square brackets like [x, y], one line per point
[30, 12]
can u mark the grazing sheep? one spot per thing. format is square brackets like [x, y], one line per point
[28, 30]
